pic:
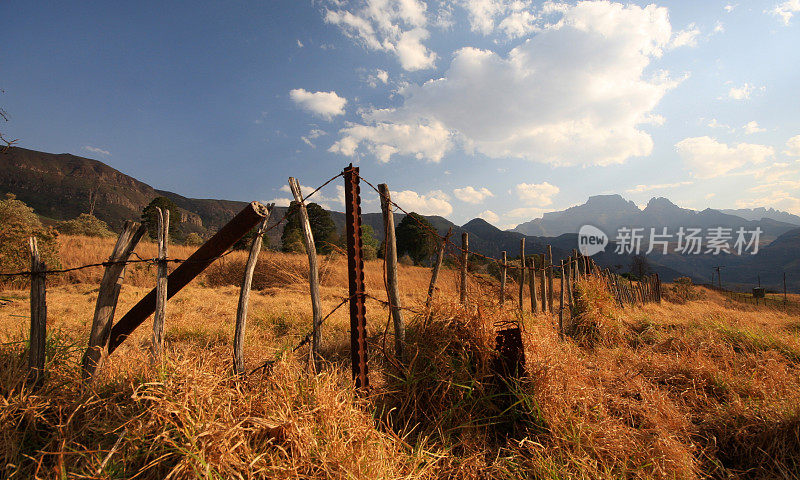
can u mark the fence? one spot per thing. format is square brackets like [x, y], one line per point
[780, 303]
[538, 272]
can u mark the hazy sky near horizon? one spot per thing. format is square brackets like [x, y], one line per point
[502, 109]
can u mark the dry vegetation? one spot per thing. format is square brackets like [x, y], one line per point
[699, 389]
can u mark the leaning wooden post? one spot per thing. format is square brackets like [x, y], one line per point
[107, 297]
[392, 283]
[36, 353]
[464, 266]
[157, 348]
[503, 274]
[355, 276]
[521, 273]
[435, 273]
[244, 294]
[532, 283]
[243, 222]
[550, 278]
[313, 273]
[561, 304]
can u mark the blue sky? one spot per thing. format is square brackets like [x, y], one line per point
[496, 108]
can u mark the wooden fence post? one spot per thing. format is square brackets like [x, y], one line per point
[503, 274]
[550, 278]
[435, 274]
[521, 273]
[532, 283]
[159, 316]
[107, 297]
[313, 273]
[244, 294]
[542, 282]
[561, 304]
[38, 335]
[464, 266]
[392, 283]
[250, 216]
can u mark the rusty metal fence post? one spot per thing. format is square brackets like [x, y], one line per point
[355, 275]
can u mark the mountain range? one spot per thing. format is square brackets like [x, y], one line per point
[62, 186]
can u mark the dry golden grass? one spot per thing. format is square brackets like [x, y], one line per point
[710, 388]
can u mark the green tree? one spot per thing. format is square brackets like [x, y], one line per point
[17, 224]
[87, 225]
[245, 242]
[415, 238]
[150, 217]
[322, 227]
[193, 240]
[369, 243]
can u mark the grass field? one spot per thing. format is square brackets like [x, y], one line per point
[702, 389]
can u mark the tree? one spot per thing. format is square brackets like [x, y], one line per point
[17, 224]
[369, 244]
[640, 266]
[322, 227]
[193, 240]
[150, 217]
[87, 225]
[245, 242]
[415, 238]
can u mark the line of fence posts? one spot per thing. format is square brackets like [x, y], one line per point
[532, 283]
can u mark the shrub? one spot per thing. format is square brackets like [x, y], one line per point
[17, 224]
[193, 240]
[682, 290]
[86, 225]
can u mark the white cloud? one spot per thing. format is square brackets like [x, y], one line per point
[775, 197]
[526, 213]
[311, 135]
[706, 157]
[379, 76]
[322, 104]
[299, 44]
[384, 139]
[433, 203]
[395, 26]
[574, 94]
[489, 216]
[714, 123]
[685, 38]
[793, 146]
[729, 7]
[659, 186]
[536, 194]
[743, 92]
[786, 10]
[753, 127]
[472, 195]
[280, 202]
[96, 150]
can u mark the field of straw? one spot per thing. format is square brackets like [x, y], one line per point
[704, 388]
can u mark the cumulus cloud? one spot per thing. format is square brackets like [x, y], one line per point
[658, 186]
[380, 76]
[394, 26]
[706, 157]
[743, 92]
[433, 203]
[98, 151]
[574, 94]
[472, 195]
[280, 202]
[753, 127]
[685, 38]
[786, 10]
[322, 104]
[536, 194]
[489, 216]
[793, 146]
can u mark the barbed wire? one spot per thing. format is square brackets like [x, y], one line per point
[156, 260]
